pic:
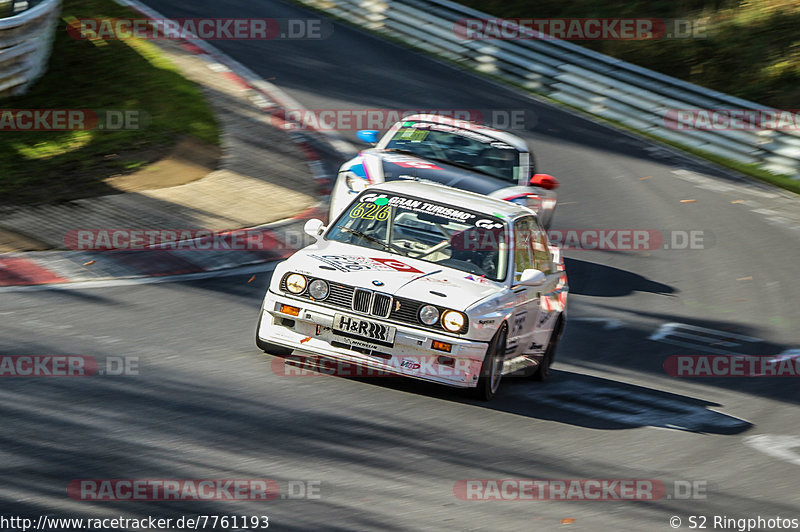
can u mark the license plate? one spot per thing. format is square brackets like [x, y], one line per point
[360, 328]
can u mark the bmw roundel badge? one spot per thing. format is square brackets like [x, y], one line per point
[377, 283]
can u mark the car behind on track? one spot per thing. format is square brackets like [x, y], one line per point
[451, 152]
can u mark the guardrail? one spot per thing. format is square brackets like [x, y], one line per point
[25, 43]
[596, 83]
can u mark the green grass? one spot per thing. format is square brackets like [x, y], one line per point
[751, 48]
[114, 75]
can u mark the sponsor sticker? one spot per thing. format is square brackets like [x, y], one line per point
[351, 263]
[421, 206]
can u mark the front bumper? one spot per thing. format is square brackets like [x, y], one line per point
[410, 354]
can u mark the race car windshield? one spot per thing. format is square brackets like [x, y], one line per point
[458, 146]
[441, 234]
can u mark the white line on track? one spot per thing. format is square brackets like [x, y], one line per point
[786, 448]
[684, 335]
[111, 283]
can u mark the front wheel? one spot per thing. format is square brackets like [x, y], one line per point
[492, 369]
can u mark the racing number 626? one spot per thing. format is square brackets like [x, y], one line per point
[370, 211]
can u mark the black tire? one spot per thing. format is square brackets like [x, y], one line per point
[267, 347]
[489, 381]
[543, 371]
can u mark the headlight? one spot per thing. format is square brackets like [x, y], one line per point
[355, 183]
[429, 315]
[318, 289]
[453, 321]
[295, 283]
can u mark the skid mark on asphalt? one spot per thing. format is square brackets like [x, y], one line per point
[710, 340]
[786, 217]
[786, 448]
[601, 403]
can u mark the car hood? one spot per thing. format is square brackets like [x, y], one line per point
[395, 166]
[391, 273]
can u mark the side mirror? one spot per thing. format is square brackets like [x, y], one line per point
[531, 277]
[370, 136]
[314, 228]
[545, 181]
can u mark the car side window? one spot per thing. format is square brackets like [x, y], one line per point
[523, 256]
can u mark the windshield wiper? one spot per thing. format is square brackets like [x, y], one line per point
[419, 277]
[365, 236]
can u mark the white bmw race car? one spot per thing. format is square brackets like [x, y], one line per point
[451, 152]
[425, 281]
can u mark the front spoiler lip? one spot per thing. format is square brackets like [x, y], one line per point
[364, 362]
[379, 371]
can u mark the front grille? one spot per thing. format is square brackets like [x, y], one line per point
[340, 295]
[377, 304]
[362, 300]
[382, 305]
[406, 310]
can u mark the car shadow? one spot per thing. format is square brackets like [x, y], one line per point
[593, 279]
[600, 403]
[566, 397]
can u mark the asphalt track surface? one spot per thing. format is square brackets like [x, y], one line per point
[387, 453]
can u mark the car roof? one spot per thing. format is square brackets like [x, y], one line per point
[503, 136]
[453, 196]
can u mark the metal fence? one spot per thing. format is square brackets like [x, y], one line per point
[596, 83]
[25, 42]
